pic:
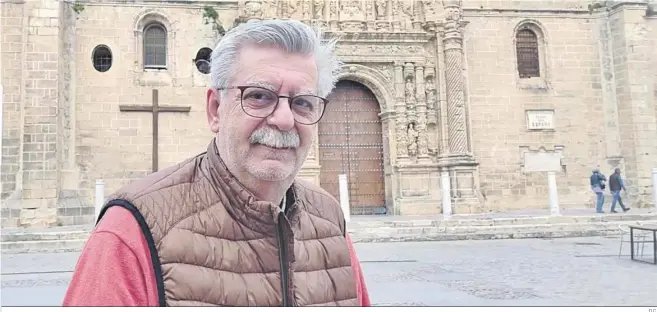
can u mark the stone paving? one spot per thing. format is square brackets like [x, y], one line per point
[569, 271]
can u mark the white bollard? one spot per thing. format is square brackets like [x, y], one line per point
[100, 196]
[446, 194]
[553, 194]
[344, 196]
[654, 188]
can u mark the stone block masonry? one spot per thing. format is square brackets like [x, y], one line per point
[12, 59]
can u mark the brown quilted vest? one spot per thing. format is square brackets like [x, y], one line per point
[213, 243]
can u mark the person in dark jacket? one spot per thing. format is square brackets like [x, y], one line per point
[615, 186]
[598, 186]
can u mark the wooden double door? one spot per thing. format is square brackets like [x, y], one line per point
[351, 143]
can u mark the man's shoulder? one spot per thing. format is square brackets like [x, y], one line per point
[177, 174]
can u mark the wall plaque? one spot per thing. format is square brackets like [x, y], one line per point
[540, 119]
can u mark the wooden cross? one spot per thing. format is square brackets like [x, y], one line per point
[155, 109]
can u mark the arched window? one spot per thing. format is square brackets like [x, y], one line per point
[155, 46]
[527, 54]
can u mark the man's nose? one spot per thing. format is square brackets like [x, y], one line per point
[282, 118]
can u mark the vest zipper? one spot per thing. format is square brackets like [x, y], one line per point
[282, 255]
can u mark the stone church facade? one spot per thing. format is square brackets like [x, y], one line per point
[495, 93]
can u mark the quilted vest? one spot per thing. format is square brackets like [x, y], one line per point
[213, 243]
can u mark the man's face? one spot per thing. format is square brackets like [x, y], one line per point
[281, 72]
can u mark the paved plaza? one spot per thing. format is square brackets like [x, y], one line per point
[568, 271]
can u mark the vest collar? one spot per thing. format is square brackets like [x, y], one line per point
[246, 208]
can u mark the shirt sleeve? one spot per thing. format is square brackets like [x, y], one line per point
[114, 268]
[363, 295]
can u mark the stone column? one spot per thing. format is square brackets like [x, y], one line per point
[458, 159]
[458, 136]
[400, 107]
[70, 201]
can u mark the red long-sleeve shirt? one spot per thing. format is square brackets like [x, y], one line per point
[115, 267]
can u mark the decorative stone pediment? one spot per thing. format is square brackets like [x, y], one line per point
[381, 50]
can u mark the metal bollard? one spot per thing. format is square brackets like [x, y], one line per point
[100, 196]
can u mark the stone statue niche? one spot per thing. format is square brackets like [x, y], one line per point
[409, 92]
[412, 135]
[318, 9]
[432, 113]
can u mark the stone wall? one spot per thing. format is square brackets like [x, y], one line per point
[63, 127]
[634, 56]
[13, 45]
[591, 80]
[35, 165]
[116, 146]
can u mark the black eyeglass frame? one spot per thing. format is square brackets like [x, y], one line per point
[290, 99]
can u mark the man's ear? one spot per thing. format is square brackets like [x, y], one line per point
[212, 109]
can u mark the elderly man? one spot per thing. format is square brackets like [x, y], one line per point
[233, 226]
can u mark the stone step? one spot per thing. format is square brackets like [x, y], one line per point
[45, 236]
[433, 233]
[63, 245]
[74, 240]
[468, 222]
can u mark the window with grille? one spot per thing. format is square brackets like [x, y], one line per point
[527, 53]
[155, 47]
[102, 58]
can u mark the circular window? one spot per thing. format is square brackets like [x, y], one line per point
[202, 60]
[102, 58]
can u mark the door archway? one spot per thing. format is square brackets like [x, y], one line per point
[351, 143]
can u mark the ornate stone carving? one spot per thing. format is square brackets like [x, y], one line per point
[400, 108]
[369, 10]
[318, 9]
[408, 7]
[353, 26]
[351, 10]
[432, 99]
[381, 8]
[452, 16]
[409, 90]
[306, 9]
[253, 10]
[396, 24]
[269, 8]
[333, 9]
[378, 49]
[412, 140]
[430, 10]
[386, 71]
[383, 26]
[289, 7]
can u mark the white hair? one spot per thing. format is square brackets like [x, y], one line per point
[289, 35]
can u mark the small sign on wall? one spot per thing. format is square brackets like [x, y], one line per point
[540, 119]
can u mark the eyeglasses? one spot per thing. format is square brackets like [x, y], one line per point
[261, 103]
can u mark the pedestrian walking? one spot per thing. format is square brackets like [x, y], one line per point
[615, 186]
[598, 186]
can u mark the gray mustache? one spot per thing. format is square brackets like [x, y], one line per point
[275, 139]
